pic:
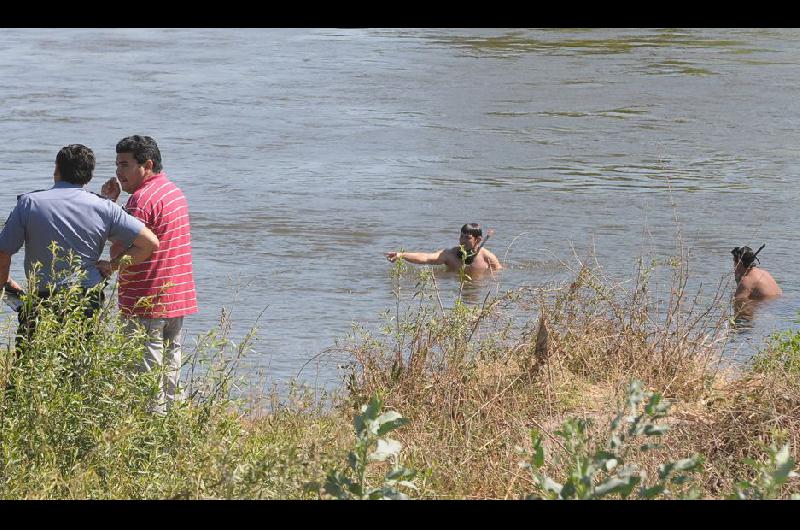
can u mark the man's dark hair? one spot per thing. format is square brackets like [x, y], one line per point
[746, 256]
[143, 148]
[75, 163]
[472, 229]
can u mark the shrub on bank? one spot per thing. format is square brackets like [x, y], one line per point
[75, 419]
[473, 381]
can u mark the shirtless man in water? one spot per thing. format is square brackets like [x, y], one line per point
[752, 283]
[473, 257]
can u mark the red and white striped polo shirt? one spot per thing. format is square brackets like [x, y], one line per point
[162, 286]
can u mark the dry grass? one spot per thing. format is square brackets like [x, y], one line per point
[474, 381]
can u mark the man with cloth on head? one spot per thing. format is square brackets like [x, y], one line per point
[752, 283]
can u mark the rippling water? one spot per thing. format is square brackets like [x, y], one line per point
[305, 154]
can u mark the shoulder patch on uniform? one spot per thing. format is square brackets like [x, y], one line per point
[28, 193]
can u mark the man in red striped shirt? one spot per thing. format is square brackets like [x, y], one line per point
[159, 292]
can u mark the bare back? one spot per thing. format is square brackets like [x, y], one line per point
[757, 284]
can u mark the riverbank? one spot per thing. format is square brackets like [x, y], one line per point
[472, 381]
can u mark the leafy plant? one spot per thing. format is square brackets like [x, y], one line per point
[370, 426]
[597, 473]
[769, 476]
[782, 353]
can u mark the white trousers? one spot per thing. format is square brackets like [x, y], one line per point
[162, 352]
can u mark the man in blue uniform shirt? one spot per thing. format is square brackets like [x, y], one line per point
[76, 220]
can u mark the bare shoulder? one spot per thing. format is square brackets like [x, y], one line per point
[750, 280]
[759, 284]
[761, 277]
[768, 284]
[450, 256]
[491, 259]
[767, 275]
[490, 254]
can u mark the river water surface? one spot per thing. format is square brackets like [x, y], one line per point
[307, 153]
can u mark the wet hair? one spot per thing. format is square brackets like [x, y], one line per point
[75, 163]
[143, 148]
[746, 256]
[472, 229]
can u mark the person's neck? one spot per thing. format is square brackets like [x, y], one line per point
[57, 180]
[739, 275]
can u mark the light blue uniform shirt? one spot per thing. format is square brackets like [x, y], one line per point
[76, 219]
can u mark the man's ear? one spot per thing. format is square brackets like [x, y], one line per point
[148, 165]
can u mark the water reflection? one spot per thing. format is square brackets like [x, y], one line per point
[577, 139]
[478, 285]
[472, 288]
[744, 315]
[751, 314]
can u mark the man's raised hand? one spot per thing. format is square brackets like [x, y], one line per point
[111, 189]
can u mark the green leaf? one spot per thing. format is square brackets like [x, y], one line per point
[655, 430]
[538, 457]
[656, 408]
[333, 489]
[649, 446]
[664, 470]
[552, 485]
[688, 464]
[358, 424]
[739, 495]
[750, 462]
[611, 464]
[374, 408]
[604, 455]
[375, 494]
[567, 491]
[312, 487]
[386, 448]
[785, 465]
[394, 495]
[339, 486]
[653, 492]
[652, 404]
[353, 460]
[782, 456]
[616, 422]
[538, 451]
[391, 425]
[388, 416]
[401, 473]
[623, 486]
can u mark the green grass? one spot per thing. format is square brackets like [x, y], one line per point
[472, 381]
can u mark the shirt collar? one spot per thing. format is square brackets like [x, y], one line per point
[65, 184]
[153, 178]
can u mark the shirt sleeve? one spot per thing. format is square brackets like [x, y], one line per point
[13, 235]
[124, 227]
